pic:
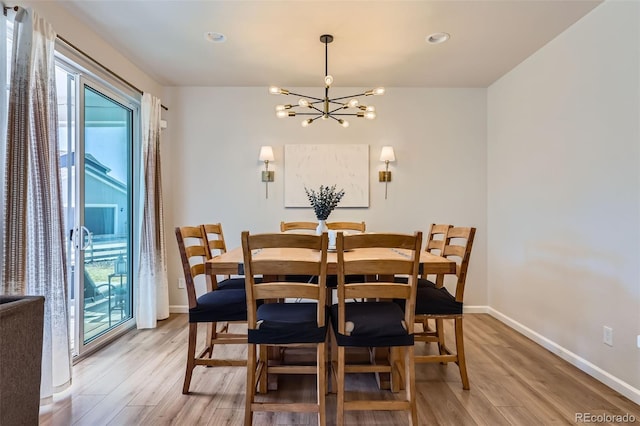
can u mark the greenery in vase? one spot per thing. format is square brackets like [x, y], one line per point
[324, 200]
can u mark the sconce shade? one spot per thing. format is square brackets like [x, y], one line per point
[387, 154]
[266, 153]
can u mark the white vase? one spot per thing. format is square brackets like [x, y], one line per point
[322, 227]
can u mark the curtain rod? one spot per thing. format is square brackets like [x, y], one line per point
[68, 43]
[6, 8]
[112, 73]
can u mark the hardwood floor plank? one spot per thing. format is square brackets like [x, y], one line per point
[523, 416]
[227, 417]
[446, 408]
[69, 407]
[137, 380]
[478, 406]
[130, 415]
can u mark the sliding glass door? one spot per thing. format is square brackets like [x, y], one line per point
[105, 210]
[96, 159]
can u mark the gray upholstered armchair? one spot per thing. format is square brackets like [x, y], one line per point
[21, 325]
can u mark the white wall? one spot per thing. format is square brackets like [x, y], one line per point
[212, 173]
[564, 194]
[83, 37]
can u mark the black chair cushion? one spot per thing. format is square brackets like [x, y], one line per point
[231, 283]
[332, 280]
[220, 305]
[374, 324]
[282, 323]
[421, 281]
[301, 279]
[436, 301]
[234, 283]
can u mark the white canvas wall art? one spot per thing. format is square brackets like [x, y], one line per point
[346, 166]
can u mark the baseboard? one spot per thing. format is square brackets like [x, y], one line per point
[178, 309]
[593, 370]
[476, 309]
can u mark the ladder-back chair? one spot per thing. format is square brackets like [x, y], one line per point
[212, 307]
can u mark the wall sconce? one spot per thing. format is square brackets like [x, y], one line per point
[266, 155]
[386, 155]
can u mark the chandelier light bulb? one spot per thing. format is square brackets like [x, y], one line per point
[343, 123]
[378, 91]
[303, 102]
[305, 123]
[371, 108]
[274, 90]
[353, 103]
[328, 80]
[280, 108]
[370, 115]
[281, 114]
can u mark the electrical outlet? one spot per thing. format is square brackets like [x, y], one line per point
[181, 283]
[607, 335]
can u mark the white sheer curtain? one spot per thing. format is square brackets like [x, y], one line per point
[153, 285]
[3, 108]
[34, 261]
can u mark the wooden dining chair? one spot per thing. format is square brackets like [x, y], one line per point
[377, 321]
[311, 226]
[283, 324]
[436, 240]
[332, 281]
[214, 238]
[298, 226]
[435, 302]
[347, 226]
[212, 307]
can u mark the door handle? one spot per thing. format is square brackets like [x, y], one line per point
[81, 244]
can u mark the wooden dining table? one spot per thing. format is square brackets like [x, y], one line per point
[232, 263]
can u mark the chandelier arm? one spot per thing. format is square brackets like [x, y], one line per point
[343, 113]
[307, 113]
[305, 96]
[345, 97]
[337, 109]
[319, 111]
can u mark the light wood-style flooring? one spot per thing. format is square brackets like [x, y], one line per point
[137, 380]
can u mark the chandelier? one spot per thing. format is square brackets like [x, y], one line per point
[326, 107]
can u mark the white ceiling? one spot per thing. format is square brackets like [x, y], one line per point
[377, 43]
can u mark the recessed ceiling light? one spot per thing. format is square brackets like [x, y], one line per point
[215, 37]
[437, 38]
